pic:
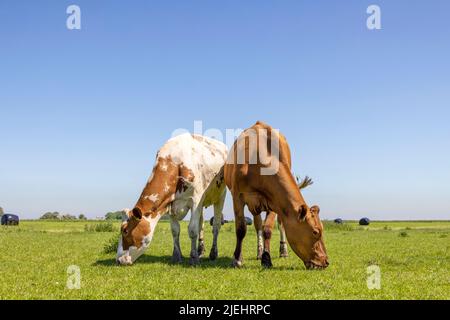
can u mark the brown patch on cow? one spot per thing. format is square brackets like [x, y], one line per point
[211, 147]
[160, 191]
[198, 138]
[133, 232]
[185, 178]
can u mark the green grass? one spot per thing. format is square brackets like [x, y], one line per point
[414, 259]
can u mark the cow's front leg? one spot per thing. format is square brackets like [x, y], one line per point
[259, 236]
[241, 231]
[177, 256]
[201, 239]
[194, 230]
[266, 260]
[218, 216]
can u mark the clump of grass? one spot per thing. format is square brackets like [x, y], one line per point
[403, 234]
[332, 226]
[112, 245]
[387, 228]
[99, 227]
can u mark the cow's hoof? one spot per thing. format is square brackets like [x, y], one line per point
[266, 261]
[201, 250]
[177, 258]
[237, 264]
[194, 261]
[213, 255]
[283, 251]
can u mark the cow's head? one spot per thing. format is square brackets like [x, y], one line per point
[136, 234]
[305, 235]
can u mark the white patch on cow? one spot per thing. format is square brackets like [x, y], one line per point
[153, 197]
[166, 187]
[164, 167]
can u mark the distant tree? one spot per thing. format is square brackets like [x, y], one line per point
[50, 216]
[82, 217]
[117, 215]
[68, 217]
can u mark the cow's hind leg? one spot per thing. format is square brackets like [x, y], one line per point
[218, 214]
[194, 230]
[283, 240]
[266, 260]
[201, 242]
[177, 257]
[241, 231]
[259, 236]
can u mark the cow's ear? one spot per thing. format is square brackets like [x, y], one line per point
[137, 213]
[315, 210]
[303, 212]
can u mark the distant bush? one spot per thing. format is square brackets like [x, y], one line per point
[403, 234]
[68, 217]
[117, 215]
[112, 245]
[1, 211]
[330, 225]
[51, 216]
[82, 217]
[99, 227]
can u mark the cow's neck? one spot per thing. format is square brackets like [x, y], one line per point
[155, 200]
[285, 195]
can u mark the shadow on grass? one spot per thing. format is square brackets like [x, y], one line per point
[205, 263]
[220, 263]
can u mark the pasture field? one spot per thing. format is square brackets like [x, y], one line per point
[414, 258]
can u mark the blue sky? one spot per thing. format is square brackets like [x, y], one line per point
[366, 113]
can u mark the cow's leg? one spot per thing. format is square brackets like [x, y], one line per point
[218, 214]
[283, 240]
[194, 230]
[241, 231]
[266, 260]
[259, 236]
[201, 240]
[177, 257]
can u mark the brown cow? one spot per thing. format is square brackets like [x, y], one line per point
[258, 174]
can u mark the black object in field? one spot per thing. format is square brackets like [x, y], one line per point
[364, 222]
[10, 220]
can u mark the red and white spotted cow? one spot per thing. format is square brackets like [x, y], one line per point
[188, 175]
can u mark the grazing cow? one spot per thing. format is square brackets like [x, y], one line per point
[188, 175]
[263, 242]
[258, 174]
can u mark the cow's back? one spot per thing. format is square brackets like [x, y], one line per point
[247, 177]
[200, 160]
